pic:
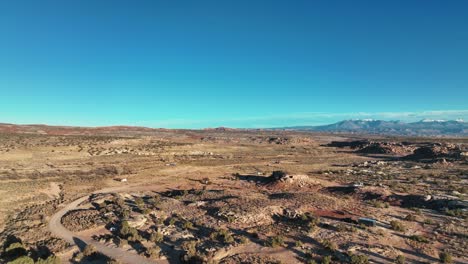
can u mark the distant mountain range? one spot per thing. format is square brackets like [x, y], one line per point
[453, 128]
[424, 127]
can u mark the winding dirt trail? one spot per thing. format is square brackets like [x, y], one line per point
[56, 228]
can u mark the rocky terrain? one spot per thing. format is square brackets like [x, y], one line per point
[131, 195]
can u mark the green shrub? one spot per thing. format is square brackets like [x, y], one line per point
[172, 221]
[187, 225]
[397, 226]
[156, 237]
[428, 221]
[275, 241]
[153, 252]
[419, 238]
[49, 260]
[15, 250]
[329, 245]
[379, 204]
[223, 236]
[454, 212]
[410, 217]
[326, 260]
[445, 257]
[22, 260]
[400, 259]
[359, 259]
[298, 243]
[190, 247]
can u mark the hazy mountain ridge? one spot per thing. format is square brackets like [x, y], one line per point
[419, 128]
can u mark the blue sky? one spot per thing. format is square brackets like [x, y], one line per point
[236, 63]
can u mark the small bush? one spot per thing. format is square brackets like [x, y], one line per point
[400, 259]
[156, 237]
[410, 217]
[275, 241]
[397, 226]
[223, 236]
[329, 245]
[445, 257]
[428, 221]
[454, 212]
[359, 259]
[326, 260]
[153, 252]
[15, 250]
[419, 238]
[22, 260]
[379, 204]
[49, 260]
[190, 247]
[172, 221]
[187, 225]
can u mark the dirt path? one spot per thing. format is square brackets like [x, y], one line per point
[57, 229]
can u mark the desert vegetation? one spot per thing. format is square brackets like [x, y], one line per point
[229, 196]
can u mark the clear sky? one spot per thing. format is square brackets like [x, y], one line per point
[231, 63]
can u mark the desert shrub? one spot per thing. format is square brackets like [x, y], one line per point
[15, 250]
[139, 201]
[159, 221]
[22, 260]
[359, 259]
[326, 260]
[379, 204]
[119, 202]
[454, 212]
[329, 245]
[445, 257]
[243, 240]
[153, 252]
[154, 201]
[190, 247]
[428, 221]
[400, 259]
[187, 225]
[310, 221]
[298, 243]
[410, 217]
[49, 260]
[125, 213]
[275, 241]
[89, 250]
[146, 211]
[124, 229]
[172, 221]
[397, 226]
[223, 236]
[276, 175]
[419, 238]
[156, 237]
[230, 219]
[340, 228]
